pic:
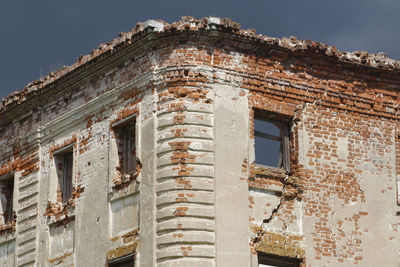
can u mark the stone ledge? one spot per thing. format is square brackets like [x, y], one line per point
[280, 244]
[274, 180]
[7, 232]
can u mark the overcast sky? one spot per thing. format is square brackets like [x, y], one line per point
[40, 36]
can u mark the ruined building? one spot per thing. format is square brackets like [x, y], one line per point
[198, 143]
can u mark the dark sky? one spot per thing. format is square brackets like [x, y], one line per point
[40, 36]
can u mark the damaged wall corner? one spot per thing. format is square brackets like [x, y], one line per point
[181, 145]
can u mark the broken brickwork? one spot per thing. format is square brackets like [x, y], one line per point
[196, 196]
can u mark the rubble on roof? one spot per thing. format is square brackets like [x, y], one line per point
[379, 60]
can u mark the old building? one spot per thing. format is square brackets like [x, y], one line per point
[198, 143]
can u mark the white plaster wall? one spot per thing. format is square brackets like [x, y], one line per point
[7, 253]
[231, 146]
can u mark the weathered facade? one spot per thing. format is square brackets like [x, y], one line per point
[146, 151]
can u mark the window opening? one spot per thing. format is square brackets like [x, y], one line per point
[129, 158]
[271, 143]
[6, 198]
[125, 138]
[268, 260]
[125, 261]
[64, 166]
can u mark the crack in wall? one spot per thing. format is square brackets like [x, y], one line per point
[285, 195]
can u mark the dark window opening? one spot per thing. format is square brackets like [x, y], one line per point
[268, 260]
[6, 198]
[271, 143]
[125, 135]
[64, 166]
[125, 261]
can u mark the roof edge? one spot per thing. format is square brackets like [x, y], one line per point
[379, 60]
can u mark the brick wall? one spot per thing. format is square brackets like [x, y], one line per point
[198, 196]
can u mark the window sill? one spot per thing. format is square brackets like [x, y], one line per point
[124, 180]
[273, 180]
[126, 184]
[60, 214]
[267, 171]
[7, 232]
[129, 188]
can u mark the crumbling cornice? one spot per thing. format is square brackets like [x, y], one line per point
[187, 23]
